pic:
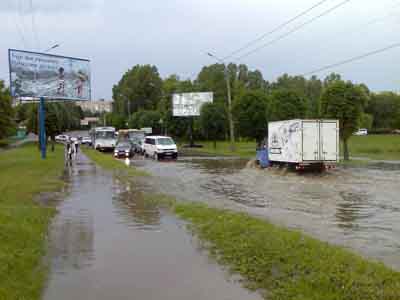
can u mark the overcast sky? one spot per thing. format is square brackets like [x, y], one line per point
[175, 34]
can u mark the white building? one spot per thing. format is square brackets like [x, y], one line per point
[96, 106]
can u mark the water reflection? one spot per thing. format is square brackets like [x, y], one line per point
[134, 209]
[72, 239]
[218, 165]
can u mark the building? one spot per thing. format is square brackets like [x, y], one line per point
[96, 106]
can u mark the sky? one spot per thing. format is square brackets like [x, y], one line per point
[175, 35]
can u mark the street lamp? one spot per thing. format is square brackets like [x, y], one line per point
[52, 47]
[228, 89]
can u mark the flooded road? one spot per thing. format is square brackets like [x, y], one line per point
[107, 243]
[358, 208]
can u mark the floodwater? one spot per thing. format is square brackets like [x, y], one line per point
[107, 243]
[358, 208]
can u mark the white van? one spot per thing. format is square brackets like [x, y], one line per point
[160, 147]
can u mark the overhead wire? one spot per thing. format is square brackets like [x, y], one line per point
[356, 58]
[297, 28]
[34, 29]
[277, 28]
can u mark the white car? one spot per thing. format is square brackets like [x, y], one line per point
[62, 138]
[86, 140]
[160, 147]
[361, 131]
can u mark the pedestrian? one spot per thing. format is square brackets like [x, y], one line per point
[76, 147]
[69, 151]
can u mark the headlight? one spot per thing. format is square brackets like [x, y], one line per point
[126, 151]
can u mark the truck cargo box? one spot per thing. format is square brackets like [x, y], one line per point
[304, 141]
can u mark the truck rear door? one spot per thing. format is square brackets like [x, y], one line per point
[310, 139]
[329, 140]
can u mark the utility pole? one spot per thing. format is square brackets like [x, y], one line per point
[229, 96]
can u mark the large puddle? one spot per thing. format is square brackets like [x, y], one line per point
[107, 243]
[358, 208]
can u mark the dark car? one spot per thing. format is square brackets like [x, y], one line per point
[137, 145]
[123, 149]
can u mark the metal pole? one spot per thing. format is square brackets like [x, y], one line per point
[42, 128]
[230, 118]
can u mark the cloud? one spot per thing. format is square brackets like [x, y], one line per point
[47, 6]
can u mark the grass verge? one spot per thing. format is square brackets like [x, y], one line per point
[243, 149]
[287, 264]
[108, 162]
[23, 222]
[379, 147]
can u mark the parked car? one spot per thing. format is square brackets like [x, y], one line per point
[396, 131]
[86, 140]
[160, 147]
[62, 138]
[123, 149]
[361, 131]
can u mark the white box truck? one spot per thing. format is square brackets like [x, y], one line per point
[304, 143]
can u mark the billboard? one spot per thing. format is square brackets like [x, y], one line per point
[34, 75]
[189, 104]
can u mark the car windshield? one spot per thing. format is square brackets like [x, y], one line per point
[123, 144]
[136, 135]
[165, 141]
[105, 135]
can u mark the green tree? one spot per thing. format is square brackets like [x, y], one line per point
[286, 105]
[366, 121]
[146, 118]
[6, 112]
[251, 111]
[213, 121]
[385, 109]
[344, 101]
[139, 88]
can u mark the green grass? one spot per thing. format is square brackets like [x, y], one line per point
[381, 147]
[243, 149]
[108, 162]
[286, 264]
[23, 222]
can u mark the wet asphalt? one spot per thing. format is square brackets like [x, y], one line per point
[358, 208]
[106, 242]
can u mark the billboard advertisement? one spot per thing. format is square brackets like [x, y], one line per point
[34, 75]
[189, 104]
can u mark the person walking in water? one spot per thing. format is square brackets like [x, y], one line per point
[76, 147]
[69, 151]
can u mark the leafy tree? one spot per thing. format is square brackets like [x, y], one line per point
[366, 121]
[6, 112]
[385, 109]
[138, 89]
[251, 113]
[332, 78]
[286, 105]
[146, 118]
[344, 101]
[213, 121]
[115, 120]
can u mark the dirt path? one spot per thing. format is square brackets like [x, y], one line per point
[107, 243]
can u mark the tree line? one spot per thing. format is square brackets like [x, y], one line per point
[143, 99]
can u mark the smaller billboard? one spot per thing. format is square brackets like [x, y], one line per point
[189, 104]
[34, 75]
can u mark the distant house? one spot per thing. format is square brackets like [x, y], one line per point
[99, 106]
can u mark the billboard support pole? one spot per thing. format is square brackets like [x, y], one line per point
[191, 132]
[42, 128]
